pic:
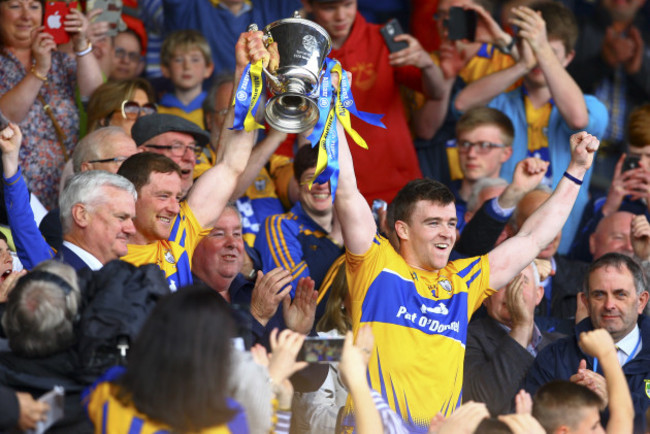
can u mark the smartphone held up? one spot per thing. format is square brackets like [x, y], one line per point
[321, 349]
[55, 12]
[461, 24]
[389, 31]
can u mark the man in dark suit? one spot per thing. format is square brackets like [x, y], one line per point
[502, 346]
[97, 210]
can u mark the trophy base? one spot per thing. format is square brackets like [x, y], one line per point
[292, 113]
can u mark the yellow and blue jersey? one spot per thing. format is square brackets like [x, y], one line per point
[266, 196]
[419, 320]
[297, 243]
[193, 111]
[173, 255]
[110, 416]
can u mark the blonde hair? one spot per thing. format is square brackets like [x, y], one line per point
[184, 40]
[482, 116]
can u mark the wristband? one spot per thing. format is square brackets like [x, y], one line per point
[572, 178]
[508, 48]
[43, 78]
[88, 49]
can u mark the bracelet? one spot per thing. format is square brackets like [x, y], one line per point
[572, 178]
[43, 78]
[88, 49]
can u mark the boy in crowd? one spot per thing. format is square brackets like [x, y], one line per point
[549, 106]
[187, 61]
[484, 138]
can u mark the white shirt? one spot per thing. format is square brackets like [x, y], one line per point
[92, 262]
[627, 347]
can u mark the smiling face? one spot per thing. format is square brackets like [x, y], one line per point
[110, 224]
[221, 252]
[427, 238]
[17, 20]
[157, 206]
[318, 200]
[612, 300]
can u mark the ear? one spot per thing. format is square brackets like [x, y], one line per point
[402, 230]
[539, 294]
[585, 300]
[569, 57]
[592, 243]
[507, 153]
[86, 166]
[80, 215]
[562, 429]
[643, 300]
[165, 71]
[208, 70]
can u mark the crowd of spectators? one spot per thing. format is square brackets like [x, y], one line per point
[483, 266]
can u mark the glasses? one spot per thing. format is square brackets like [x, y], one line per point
[443, 17]
[119, 160]
[132, 110]
[133, 56]
[177, 149]
[481, 147]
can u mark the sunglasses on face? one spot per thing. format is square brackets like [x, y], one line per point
[132, 110]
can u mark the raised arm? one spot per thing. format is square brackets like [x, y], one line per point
[599, 344]
[259, 157]
[480, 92]
[214, 188]
[30, 245]
[357, 223]
[511, 256]
[414, 54]
[566, 93]
[89, 74]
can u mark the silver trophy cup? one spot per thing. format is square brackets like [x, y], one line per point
[303, 46]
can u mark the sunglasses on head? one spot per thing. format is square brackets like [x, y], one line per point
[132, 110]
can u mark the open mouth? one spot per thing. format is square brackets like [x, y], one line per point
[442, 246]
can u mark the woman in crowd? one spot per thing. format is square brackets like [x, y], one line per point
[177, 373]
[37, 89]
[120, 104]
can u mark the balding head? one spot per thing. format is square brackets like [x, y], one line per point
[103, 149]
[612, 235]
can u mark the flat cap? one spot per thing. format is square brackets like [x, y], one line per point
[150, 126]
